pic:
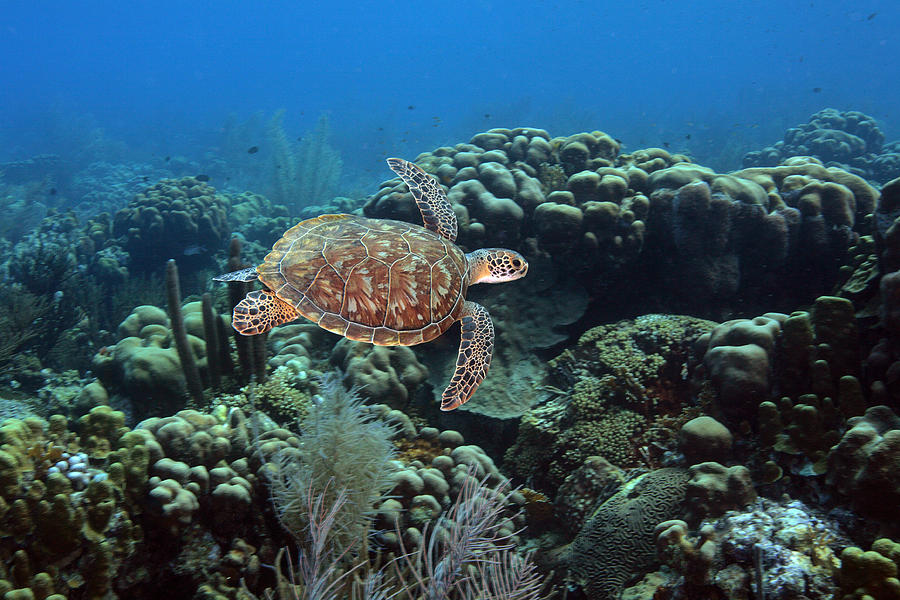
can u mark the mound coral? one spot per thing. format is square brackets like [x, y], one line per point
[636, 228]
[865, 463]
[849, 139]
[186, 213]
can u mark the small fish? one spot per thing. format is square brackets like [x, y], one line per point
[816, 90]
[618, 141]
[872, 16]
[252, 149]
[168, 158]
[52, 191]
[410, 107]
[299, 138]
[194, 250]
[687, 137]
[666, 144]
[145, 178]
[202, 178]
[381, 129]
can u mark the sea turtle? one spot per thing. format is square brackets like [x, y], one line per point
[384, 282]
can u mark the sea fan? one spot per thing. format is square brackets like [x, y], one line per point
[344, 453]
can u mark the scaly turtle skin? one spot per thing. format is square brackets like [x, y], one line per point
[384, 282]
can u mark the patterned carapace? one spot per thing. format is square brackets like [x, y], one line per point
[381, 281]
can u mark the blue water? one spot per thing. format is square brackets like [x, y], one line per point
[399, 78]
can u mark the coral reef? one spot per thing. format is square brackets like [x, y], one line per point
[863, 465]
[665, 456]
[638, 227]
[849, 140]
[614, 382]
[143, 368]
[772, 550]
[186, 213]
[384, 375]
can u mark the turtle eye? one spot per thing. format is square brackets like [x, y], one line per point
[516, 263]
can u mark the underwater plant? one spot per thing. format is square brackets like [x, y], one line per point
[43, 261]
[304, 173]
[344, 452]
[21, 321]
[466, 555]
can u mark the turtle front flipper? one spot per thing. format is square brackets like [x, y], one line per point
[260, 311]
[437, 213]
[476, 347]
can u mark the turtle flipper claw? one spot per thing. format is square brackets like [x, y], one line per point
[476, 347]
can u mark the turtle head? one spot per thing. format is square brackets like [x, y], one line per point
[495, 265]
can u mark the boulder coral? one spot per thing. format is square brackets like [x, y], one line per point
[887, 227]
[183, 212]
[738, 356]
[714, 489]
[864, 466]
[704, 439]
[872, 574]
[386, 375]
[636, 228]
[849, 140]
[143, 366]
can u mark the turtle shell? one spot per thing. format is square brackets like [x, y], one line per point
[372, 280]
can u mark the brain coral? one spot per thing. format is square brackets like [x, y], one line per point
[618, 542]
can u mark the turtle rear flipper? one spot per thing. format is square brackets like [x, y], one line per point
[248, 274]
[476, 346]
[260, 311]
